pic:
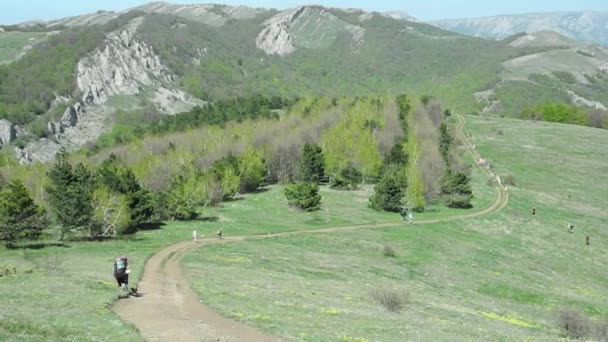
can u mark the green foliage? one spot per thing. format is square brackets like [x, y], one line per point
[121, 180]
[445, 141]
[312, 168]
[556, 112]
[388, 194]
[20, 217]
[187, 194]
[353, 138]
[396, 156]
[70, 195]
[348, 178]
[565, 77]
[251, 170]
[218, 113]
[112, 213]
[304, 195]
[226, 173]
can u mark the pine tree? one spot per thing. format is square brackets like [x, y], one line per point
[71, 196]
[20, 216]
[312, 167]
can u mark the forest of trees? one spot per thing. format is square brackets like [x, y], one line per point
[402, 146]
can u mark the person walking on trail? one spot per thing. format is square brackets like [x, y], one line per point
[219, 233]
[121, 272]
[570, 228]
[403, 213]
[533, 211]
[194, 236]
[410, 217]
[587, 240]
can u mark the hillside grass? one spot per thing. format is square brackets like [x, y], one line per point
[12, 44]
[63, 291]
[503, 276]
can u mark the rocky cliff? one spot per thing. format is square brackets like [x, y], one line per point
[309, 27]
[123, 66]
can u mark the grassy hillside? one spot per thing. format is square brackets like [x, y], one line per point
[415, 59]
[14, 44]
[499, 277]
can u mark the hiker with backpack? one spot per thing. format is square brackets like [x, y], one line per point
[121, 272]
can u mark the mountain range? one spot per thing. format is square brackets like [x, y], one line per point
[586, 26]
[65, 82]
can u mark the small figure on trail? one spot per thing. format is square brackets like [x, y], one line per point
[219, 233]
[194, 236]
[121, 272]
[533, 210]
[403, 213]
[410, 217]
[587, 240]
[570, 228]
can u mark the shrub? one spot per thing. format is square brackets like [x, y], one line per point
[312, 168]
[303, 195]
[391, 298]
[459, 201]
[389, 251]
[509, 180]
[348, 178]
[387, 196]
[574, 325]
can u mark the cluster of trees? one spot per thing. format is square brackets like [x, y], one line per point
[568, 114]
[422, 167]
[218, 114]
[393, 183]
[173, 176]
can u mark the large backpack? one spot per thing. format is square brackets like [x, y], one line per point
[120, 266]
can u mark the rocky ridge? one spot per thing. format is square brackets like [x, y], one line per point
[286, 31]
[123, 66]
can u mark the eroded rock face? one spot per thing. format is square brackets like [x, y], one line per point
[7, 132]
[122, 67]
[310, 27]
[275, 38]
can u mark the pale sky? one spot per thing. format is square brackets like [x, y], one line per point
[16, 11]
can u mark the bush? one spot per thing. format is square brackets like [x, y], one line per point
[303, 195]
[459, 201]
[387, 196]
[574, 325]
[388, 251]
[348, 178]
[509, 180]
[392, 299]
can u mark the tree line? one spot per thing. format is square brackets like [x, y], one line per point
[175, 176]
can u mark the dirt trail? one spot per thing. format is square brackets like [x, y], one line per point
[170, 311]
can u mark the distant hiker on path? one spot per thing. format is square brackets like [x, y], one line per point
[403, 213]
[570, 228]
[219, 233]
[587, 240]
[121, 272]
[533, 210]
[410, 217]
[194, 235]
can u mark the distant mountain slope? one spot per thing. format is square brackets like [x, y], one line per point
[165, 58]
[583, 26]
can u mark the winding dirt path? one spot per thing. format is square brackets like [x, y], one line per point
[170, 311]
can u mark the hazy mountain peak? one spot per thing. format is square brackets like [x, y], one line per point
[590, 26]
